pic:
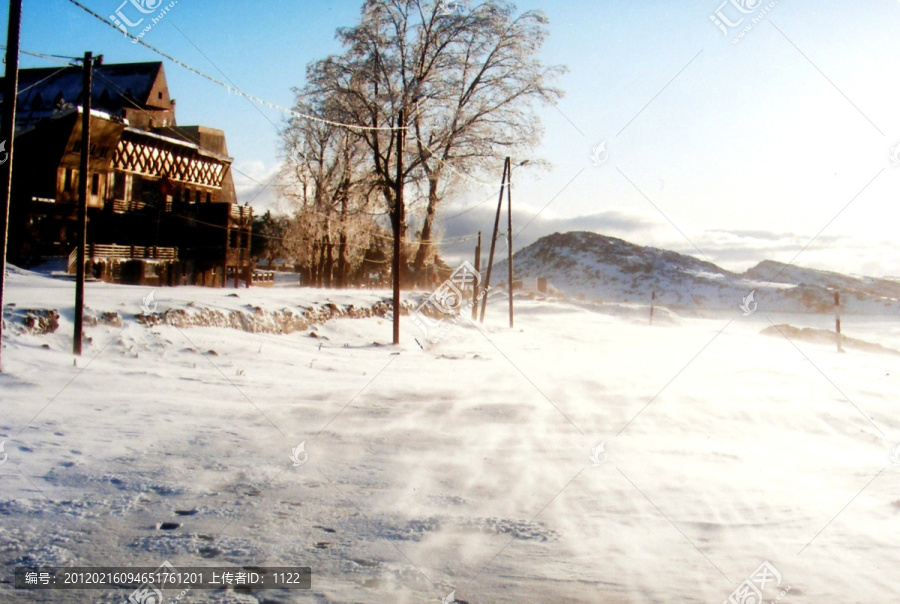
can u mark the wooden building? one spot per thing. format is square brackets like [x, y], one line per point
[162, 208]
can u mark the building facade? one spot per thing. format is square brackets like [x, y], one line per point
[162, 208]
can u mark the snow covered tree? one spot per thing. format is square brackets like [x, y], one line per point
[330, 197]
[467, 83]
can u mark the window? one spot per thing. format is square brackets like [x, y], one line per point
[244, 240]
[233, 239]
[159, 95]
[187, 196]
[118, 184]
[95, 184]
[67, 184]
[197, 197]
[209, 198]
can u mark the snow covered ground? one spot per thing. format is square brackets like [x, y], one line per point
[471, 466]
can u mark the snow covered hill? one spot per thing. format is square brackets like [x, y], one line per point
[602, 268]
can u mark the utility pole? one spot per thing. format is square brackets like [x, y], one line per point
[487, 281]
[245, 236]
[240, 242]
[509, 237]
[8, 129]
[88, 65]
[398, 223]
[475, 286]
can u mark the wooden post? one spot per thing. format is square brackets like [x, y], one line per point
[248, 229]
[88, 64]
[509, 237]
[652, 304]
[398, 224]
[837, 320]
[487, 281]
[237, 269]
[8, 130]
[475, 290]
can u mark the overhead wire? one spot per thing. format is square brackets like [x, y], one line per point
[256, 99]
[229, 87]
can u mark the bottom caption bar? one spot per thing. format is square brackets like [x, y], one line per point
[149, 580]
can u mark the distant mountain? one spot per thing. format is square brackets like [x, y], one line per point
[769, 270]
[602, 268]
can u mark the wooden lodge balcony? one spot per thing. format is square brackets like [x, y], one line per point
[96, 251]
[120, 206]
[241, 213]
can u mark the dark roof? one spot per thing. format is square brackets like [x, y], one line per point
[44, 91]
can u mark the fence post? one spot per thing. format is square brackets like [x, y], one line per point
[475, 287]
[837, 320]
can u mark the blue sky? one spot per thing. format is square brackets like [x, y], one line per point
[760, 149]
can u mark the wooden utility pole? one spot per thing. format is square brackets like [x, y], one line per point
[398, 223]
[248, 230]
[837, 320]
[487, 280]
[8, 130]
[652, 304]
[88, 64]
[509, 237]
[240, 243]
[475, 286]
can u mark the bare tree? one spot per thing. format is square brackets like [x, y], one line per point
[467, 81]
[483, 102]
[330, 197]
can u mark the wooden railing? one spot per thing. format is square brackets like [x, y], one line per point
[263, 278]
[120, 206]
[123, 252]
[240, 212]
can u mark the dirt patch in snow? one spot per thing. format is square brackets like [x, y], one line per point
[257, 320]
[34, 321]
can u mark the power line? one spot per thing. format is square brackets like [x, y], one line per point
[231, 88]
[460, 239]
[18, 92]
[48, 57]
[125, 97]
[228, 86]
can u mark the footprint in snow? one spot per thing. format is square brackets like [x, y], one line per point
[167, 526]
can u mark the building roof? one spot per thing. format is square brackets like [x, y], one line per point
[45, 91]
